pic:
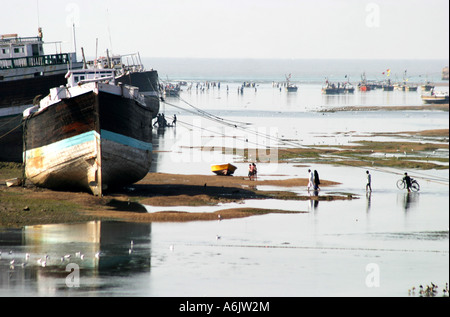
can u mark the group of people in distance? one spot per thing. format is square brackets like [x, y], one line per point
[252, 171]
[314, 181]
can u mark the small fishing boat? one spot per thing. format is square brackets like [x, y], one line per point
[411, 88]
[223, 169]
[91, 135]
[172, 90]
[387, 85]
[330, 89]
[427, 86]
[348, 88]
[436, 98]
[290, 87]
[363, 84]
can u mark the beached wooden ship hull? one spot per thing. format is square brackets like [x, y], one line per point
[223, 169]
[93, 142]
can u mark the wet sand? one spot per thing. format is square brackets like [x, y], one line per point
[31, 205]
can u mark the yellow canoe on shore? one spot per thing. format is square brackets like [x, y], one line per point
[223, 169]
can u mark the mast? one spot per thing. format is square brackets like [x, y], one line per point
[74, 38]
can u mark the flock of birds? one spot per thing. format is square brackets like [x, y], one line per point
[428, 291]
[41, 260]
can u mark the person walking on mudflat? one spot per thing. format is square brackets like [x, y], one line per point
[316, 180]
[407, 181]
[369, 182]
[311, 179]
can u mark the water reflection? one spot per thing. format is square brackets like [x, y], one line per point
[368, 199]
[35, 259]
[314, 199]
[408, 200]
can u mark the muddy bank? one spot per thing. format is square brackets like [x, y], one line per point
[20, 206]
[29, 205]
[420, 150]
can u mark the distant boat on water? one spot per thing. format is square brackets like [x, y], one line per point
[436, 98]
[289, 86]
[92, 134]
[26, 73]
[411, 87]
[339, 88]
[388, 86]
[171, 90]
[405, 86]
[427, 86]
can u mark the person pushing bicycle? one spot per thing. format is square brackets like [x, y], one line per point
[407, 181]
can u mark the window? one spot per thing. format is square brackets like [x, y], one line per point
[16, 50]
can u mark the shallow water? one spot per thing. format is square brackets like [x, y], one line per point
[377, 245]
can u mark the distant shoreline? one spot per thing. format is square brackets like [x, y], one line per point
[305, 69]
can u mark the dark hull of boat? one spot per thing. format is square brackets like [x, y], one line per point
[148, 84]
[11, 138]
[336, 91]
[435, 100]
[23, 91]
[90, 142]
[16, 96]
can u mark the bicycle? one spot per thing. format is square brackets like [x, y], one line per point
[401, 184]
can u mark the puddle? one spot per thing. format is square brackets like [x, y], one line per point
[295, 206]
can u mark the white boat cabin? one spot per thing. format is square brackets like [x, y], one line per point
[83, 76]
[13, 46]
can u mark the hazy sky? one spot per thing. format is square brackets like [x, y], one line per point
[392, 29]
